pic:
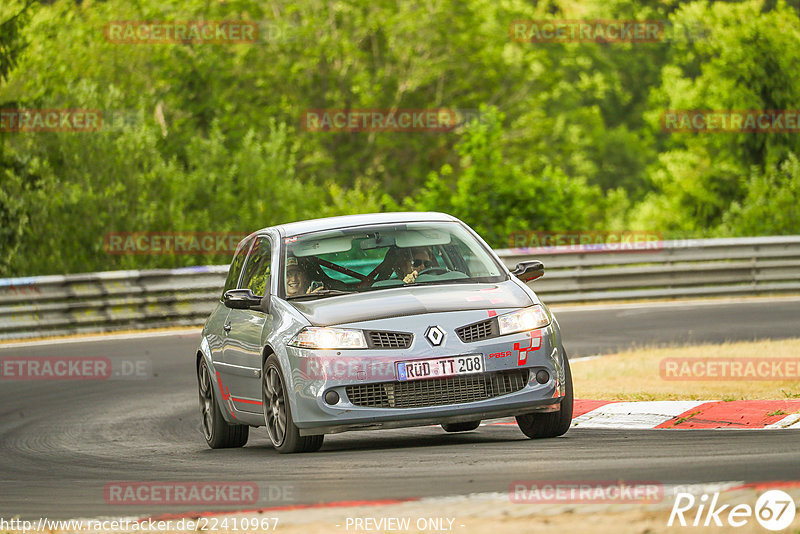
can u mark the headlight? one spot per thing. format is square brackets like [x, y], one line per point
[523, 320]
[328, 338]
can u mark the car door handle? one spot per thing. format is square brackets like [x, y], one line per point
[227, 327]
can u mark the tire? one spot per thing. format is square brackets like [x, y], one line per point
[219, 433]
[461, 427]
[553, 424]
[283, 433]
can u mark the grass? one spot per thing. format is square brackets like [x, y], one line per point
[684, 419]
[635, 375]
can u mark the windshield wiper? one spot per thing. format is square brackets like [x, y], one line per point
[322, 293]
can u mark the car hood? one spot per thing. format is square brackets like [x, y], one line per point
[397, 302]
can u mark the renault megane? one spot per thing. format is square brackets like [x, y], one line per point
[377, 321]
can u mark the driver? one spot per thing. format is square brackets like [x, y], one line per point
[409, 262]
[298, 280]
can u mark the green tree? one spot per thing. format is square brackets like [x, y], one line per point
[497, 197]
[771, 204]
[15, 180]
[747, 60]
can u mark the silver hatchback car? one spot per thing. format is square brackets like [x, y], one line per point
[377, 321]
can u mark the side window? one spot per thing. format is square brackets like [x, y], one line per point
[257, 268]
[236, 265]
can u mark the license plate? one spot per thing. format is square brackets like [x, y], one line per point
[440, 367]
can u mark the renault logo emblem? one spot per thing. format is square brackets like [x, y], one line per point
[434, 335]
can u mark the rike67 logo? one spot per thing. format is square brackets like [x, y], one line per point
[774, 510]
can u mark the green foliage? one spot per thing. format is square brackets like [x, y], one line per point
[223, 189]
[747, 60]
[771, 205]
[208, 138]
[12, 19]
[497, 197]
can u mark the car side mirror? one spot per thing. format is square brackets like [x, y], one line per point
[241, 299]
[527, 271]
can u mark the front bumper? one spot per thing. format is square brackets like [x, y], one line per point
[459, 414]
[315, 373]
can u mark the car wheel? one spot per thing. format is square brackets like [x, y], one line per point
[218, 433]
[550, 425]
[461, 427]
[283, 433]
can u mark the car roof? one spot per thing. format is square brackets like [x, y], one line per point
[346, 221]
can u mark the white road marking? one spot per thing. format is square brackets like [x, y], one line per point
[786, 422]
[633, 415]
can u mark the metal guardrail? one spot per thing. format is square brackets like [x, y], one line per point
[94, 302]
[670, 269]
[114, 300]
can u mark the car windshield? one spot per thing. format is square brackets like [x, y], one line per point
[370, 258]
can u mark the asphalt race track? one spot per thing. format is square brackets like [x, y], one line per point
[615, 327]
[62, 442]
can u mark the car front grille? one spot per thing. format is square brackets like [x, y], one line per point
[389, 340]
[477, 331]
[438, 392]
